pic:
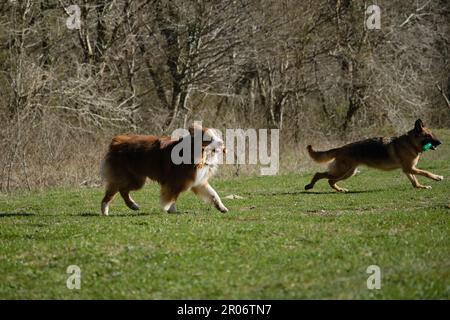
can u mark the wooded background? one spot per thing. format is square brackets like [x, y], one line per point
[309, 67]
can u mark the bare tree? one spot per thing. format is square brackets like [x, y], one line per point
[194, 41]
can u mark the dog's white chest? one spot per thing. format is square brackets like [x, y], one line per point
[201, 176]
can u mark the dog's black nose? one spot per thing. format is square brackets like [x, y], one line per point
[437, 142]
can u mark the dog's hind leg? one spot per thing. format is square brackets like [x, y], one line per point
[128, 200]
[111, 191]
[333, 184]
[317, 177]
[131, 183]
[340, 171]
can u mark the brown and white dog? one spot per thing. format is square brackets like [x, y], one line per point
[133, 158]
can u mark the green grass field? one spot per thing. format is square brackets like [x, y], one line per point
[278, 242]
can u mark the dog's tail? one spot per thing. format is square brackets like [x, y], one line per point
[104, 168]
[321, 156]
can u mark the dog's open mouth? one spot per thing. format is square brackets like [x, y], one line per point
[431, 145]
[435, 144]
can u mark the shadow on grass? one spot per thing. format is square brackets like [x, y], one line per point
[16, 214]
[116, 215]
[317, 192]
[348, 192]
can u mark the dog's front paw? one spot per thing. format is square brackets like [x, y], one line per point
[439, 178]
[425, 187]
[104, 209]
[134, 206]
[223, 209]
[172, 209]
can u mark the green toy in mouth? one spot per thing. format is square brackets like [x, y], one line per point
[427, 146]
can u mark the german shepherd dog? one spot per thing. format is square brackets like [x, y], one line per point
[401, 152]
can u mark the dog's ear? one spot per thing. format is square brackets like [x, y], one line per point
[194, 128]
[197, 130]
[418, 126]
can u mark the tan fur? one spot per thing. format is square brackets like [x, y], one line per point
[401, 152]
